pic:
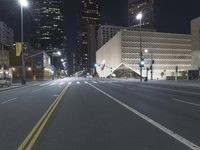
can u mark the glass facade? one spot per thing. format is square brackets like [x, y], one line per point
[48, 28]
[89, 18]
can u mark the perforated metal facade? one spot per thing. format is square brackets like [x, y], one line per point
[168, 50]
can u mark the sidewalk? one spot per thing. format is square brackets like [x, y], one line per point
[190, 83]
[19, 85]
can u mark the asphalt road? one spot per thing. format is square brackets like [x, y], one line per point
[100, 114]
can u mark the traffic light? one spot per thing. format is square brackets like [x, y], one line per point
[141, 62]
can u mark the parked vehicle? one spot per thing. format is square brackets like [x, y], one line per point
[5, 78]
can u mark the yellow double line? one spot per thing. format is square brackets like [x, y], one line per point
[32, 137]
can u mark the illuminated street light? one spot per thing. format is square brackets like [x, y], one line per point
[29, 69]
[139, 17]
[62, 60]
[23, 3]
[95, 65]
[146, 50]
[59, 53]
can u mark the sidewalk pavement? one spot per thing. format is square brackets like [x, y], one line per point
[190, 83]
[19, 85]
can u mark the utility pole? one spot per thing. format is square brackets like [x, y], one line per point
[139, 17]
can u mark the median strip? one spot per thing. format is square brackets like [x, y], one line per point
[36, 131]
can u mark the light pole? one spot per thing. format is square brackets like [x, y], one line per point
[139, 17]
[23, 3]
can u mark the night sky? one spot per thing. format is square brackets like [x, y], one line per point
[171, 16]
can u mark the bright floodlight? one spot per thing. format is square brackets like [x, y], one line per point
[59, 53]
[62, 60]
[23, 3]
[95, 65]
[139, 16]
[146, 50]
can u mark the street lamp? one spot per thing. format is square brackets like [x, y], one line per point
[23, 3]
[139, 17]
[59, 53]
[146, 50]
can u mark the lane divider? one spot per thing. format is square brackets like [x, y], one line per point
[7, 101]
[167, 131]
[32, 137]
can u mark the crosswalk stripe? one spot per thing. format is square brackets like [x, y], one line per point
[61, 83]
[78, 82]
[69, 83]
[94, 81]
[86, 82]
[44, 84]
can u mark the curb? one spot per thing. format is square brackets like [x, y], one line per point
[10, 88]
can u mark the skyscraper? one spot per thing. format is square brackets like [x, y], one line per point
[144, 6]
[89, 21]
[48, 28]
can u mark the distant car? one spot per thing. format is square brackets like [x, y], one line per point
[5, 82]
[5, 78]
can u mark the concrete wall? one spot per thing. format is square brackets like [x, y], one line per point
[109, 55]
[166, 49]
[195, 31]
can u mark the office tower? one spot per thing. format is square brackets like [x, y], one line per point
[88, 23]
[6, 44]
[144, 6]
[48, 28]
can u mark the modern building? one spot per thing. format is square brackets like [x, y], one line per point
[6, 44]
[4, 59]
[144, 6]
[121, 54]
[38, 67]
[88, 23]
[195, 32]
[6, 36]
[106, 32]
[48, 25]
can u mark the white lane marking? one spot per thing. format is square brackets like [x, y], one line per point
[86, 82]
[44, 84]
[7, 101]
[78, 82]
[39, 89]
[69, 83]
[190, 103]
[152, 122]
[171, 90]
[61, 83]
[55, 95]
[94, 81]
[52, 83]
